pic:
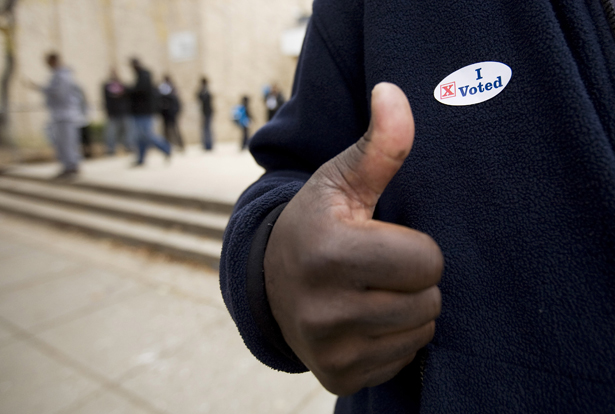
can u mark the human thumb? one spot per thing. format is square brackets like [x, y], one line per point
[367, 167]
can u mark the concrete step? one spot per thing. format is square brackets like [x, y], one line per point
[188, 220]
[177, 244]
[200, 204]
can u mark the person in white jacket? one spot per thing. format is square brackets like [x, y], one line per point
[63, 100]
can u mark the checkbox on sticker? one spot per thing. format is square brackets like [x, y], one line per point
[448, 90]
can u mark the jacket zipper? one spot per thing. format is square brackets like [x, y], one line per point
[422, 367]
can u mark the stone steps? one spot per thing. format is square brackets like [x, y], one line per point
[132, 193]
[179, 227]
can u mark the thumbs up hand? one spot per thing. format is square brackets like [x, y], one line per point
[355, 298]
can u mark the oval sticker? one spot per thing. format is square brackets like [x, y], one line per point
[473, 84]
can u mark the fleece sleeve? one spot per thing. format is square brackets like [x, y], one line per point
[326, 114]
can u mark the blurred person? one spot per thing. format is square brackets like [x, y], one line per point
[85, 124]
[170, 107]
[117, 107]
[273, 101]
[205, 98]
[143, 107]
[64, 101]
[241, 116]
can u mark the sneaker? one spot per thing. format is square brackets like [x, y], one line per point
[67, 175]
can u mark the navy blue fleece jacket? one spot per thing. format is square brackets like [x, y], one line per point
[518, 191]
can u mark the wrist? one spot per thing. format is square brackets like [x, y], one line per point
[256, 288]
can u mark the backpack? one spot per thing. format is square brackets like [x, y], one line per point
[240, 116]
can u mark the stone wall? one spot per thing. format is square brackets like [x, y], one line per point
[237, 48]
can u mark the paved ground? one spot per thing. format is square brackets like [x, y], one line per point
[87, 326]
[220, 175]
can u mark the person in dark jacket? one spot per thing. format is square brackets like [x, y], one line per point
[143, 107]
[170, 107]
[482, 191]
[207, 111]
[85, 125]
[117, 106]
[273, 101]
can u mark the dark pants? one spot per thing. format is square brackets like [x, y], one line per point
[86, 141]
[246, 137]
[207, 137]
[121, 126]
[171, 132]
[146, 137]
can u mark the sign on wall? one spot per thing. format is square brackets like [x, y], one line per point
[182, 46]
[292, 40]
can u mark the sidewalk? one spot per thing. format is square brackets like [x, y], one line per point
[221, 175]
[89, 327]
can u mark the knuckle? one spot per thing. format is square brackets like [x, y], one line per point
[338, 381]
[318, 321]
[418, 339]
[329, 264]
[341, 386]
[327, 256]
[336, 365]
[313, 326]
[435, 302]
[429, 332]
[421, 338]
[406, 347]
[434, 260]
[321, 258]
[383, 375]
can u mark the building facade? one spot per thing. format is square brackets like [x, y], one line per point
[239, 45]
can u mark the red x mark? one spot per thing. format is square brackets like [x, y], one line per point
[448, 90]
